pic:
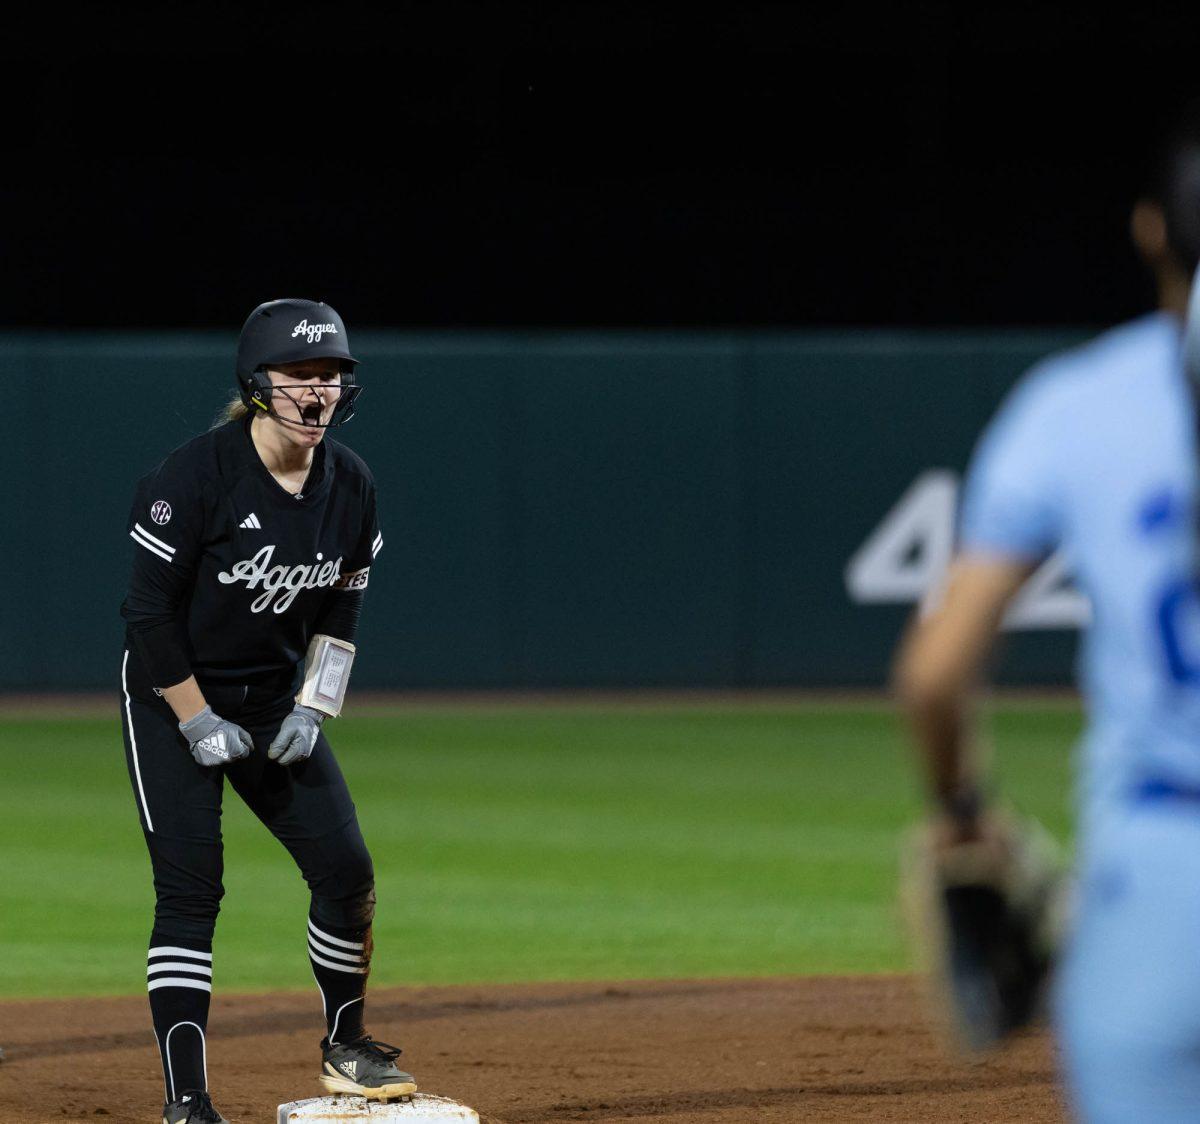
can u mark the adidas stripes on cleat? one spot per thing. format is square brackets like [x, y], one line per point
[364, 1068]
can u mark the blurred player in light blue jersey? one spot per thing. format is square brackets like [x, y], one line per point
[1095, 452]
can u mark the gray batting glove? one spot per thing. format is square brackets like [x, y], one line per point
[215, 741]
[296, 736]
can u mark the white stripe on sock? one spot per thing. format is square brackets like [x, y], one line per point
[171, 950]
[336, 967]
[316, 946]
[166, 1051]
[178, 981]
[316, 980]
[336, 941]
[333, 1032]
[178, 966]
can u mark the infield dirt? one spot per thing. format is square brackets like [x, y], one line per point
[683, 1052]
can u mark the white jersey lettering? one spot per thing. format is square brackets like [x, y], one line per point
[279, 579]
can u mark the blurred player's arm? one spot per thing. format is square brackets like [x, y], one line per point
[982, 882]
[939, 664]
[982, 886]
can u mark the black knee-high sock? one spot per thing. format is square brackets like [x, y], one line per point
[341, 959]
[179, 979]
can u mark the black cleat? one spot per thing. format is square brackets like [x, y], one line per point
[364, 1068]
[192, 1107]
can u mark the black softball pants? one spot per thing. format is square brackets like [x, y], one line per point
[306, 806]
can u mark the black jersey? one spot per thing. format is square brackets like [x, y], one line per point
[232, 574]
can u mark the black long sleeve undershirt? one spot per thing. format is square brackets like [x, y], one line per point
[159, 647]
[153, 609]
[340, 613]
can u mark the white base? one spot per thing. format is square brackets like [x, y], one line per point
[420, 1108]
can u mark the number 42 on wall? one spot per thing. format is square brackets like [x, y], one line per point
[904, 559]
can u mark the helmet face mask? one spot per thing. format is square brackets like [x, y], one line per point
[258, 393]
[293, 331]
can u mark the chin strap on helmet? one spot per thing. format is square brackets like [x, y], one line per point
[259, 393]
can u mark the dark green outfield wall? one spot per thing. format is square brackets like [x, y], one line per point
[558, 509]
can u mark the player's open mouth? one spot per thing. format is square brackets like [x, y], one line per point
[311, 415]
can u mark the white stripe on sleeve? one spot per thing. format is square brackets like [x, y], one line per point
[149, 546]
[154, 539]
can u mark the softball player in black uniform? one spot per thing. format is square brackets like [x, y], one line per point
[254, 542]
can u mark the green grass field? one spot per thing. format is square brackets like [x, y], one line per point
[520, 843]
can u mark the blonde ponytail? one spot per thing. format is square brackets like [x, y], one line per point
[233, 410]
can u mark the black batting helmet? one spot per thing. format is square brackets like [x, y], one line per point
[286, 331]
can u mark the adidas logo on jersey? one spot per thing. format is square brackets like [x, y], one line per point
[251, 522]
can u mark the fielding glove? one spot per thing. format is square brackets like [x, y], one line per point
[988, 915]
[215, 741]
[297, 736]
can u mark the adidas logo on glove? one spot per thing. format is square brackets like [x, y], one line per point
[214, 744]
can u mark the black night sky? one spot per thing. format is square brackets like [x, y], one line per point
[591, 165]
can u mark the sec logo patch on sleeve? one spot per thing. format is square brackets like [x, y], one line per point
[160, 512]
